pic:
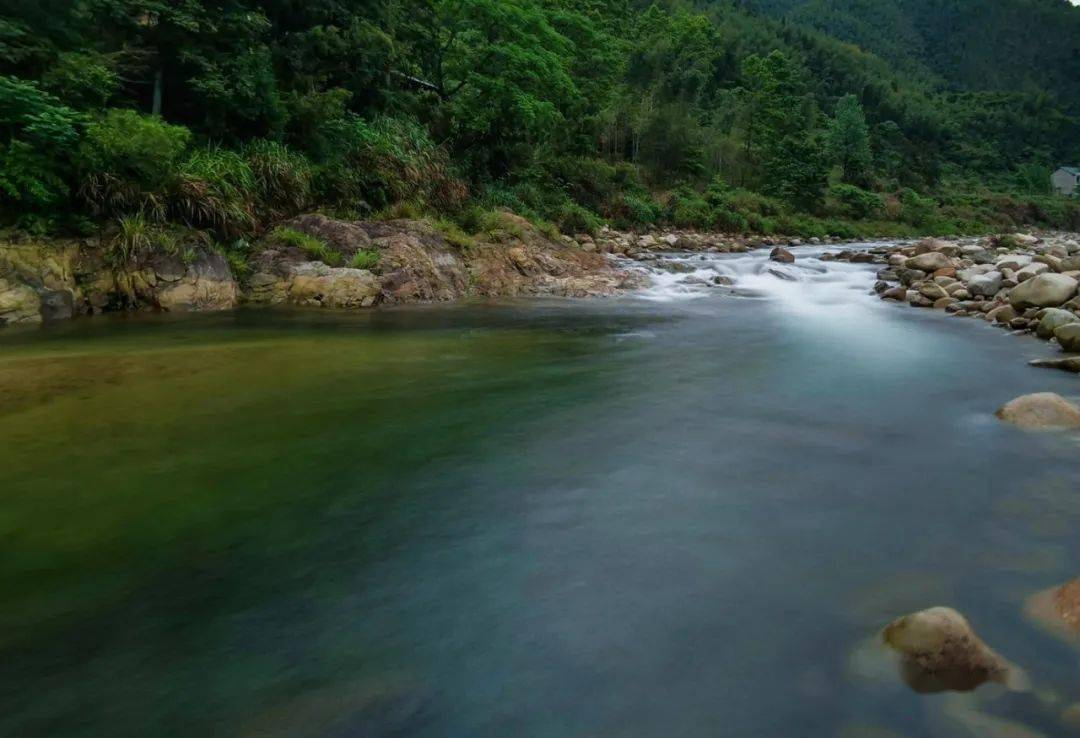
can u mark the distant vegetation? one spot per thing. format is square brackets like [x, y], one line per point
[229, 117]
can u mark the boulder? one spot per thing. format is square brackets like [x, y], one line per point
[1013, 262]
[1044, 290]
[782, 255]
[57, 304]
[966, 275]
[1068, 335]
[19, 303]
[910, 276]
[1002, 314]
[206, 284]
[1052, 319]
[1041, 411]
[1070, 263]
[895, 293]
[314, 283]
[986, 285]
[931, 290]
[940, 651]
[1033, 269]
[931, 261]
[915, 299]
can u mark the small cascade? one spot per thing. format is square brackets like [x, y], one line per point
[807, 282]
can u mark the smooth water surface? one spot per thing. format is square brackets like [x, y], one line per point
[683, 513]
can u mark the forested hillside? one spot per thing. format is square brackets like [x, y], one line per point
[228, 115]
[1028, 45]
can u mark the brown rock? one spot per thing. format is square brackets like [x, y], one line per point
[939, 651]
[1041, 411]
[782, 255]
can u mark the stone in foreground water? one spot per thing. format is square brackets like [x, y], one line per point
[1041, 411]
[940, 651]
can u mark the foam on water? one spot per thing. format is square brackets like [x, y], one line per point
[830, 301]
[807, 284]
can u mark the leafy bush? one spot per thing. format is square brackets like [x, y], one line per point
[850, 201]
[27, 180]
[574, 218]
[40, 135]
[128, 163]
[917, 210]
[636, 210]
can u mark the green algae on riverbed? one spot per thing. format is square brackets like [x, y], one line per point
[545, 518]
[151, 448]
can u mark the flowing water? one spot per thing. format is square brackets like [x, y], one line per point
[685, 512]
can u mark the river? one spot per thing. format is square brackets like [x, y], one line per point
[683, 512]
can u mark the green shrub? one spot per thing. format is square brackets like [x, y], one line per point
[574, 218]
[365, 259]
[637, 210]
[917, 210]
[128, 163]
[38, 135]
[854, 202]
[27, 179]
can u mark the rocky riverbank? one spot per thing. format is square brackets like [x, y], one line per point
[413, 262]
[1020, 282]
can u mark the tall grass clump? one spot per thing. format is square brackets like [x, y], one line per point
[216, 189]
[282, 178]
[314, 247]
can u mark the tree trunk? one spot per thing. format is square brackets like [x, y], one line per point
[156, 105]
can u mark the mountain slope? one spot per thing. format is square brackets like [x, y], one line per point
[1021, 45]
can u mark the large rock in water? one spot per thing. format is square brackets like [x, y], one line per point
[782, 255]
[1041, 411]
[940, 652]
[1068, 335]
[929, 262]
[1053, 319]
[1044, 290]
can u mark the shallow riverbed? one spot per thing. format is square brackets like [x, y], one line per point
[679, 513]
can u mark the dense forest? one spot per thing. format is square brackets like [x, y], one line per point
[769, 116]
